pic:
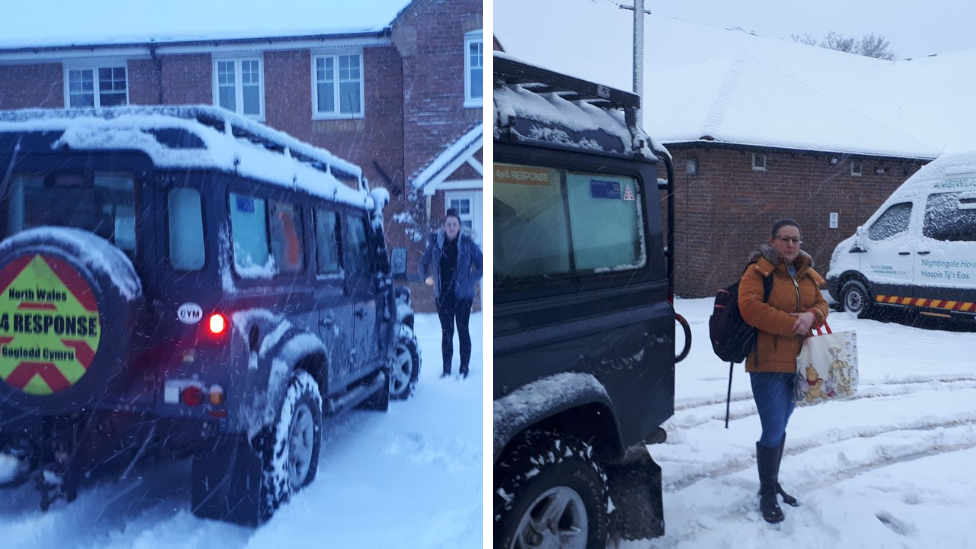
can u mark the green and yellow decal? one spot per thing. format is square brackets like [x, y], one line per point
[49, 325]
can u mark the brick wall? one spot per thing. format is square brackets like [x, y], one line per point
[31, 86]
[430, 38]
[187, 79]
[727, 210]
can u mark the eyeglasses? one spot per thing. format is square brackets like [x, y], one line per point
[789, 240]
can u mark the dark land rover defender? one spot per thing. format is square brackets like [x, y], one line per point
[181, 282]
[584, 329]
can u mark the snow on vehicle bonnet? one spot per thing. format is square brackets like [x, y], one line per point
[201, 137]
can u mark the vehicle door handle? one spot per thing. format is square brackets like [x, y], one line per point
[904, 253]
[924, 253]
[327, 322]
[360, 313]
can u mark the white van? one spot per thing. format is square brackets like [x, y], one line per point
[918, 250]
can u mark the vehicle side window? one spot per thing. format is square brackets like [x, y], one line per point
[893, 221]
[357, 247]
[286, 237]
[327, 241]
[186, 249]
[552, 222]
[249, 233]
[950, 217]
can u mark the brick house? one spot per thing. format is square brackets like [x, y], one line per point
[397, 91]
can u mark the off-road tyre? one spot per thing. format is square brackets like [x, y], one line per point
[297, 427]
[538, 463]
[856, 299]
[406, 365]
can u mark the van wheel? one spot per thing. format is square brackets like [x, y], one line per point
[406, 366]
[856, 298]
[291, 453]
[550, 492]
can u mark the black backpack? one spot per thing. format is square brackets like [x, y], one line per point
[731, 337]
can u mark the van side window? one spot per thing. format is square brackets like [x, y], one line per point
[950, 217]
[893, 221]
[249, 233]
[357, 247]
[555, 222]
[286, 237]
[327, 241]
[186, 249]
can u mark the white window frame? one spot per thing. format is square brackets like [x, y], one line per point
[239, 84]
[759, 166]
[856, 167]
[337, 114]
[69, 68]
[471, 38]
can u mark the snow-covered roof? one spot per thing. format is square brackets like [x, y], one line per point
[56, 23]
[450, 159]
[200, 137]
[729, 86]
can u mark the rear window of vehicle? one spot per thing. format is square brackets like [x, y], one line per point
[552, 222]
[102, 203]
[249, 232]
[185, 216]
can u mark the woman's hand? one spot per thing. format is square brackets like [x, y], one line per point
[804, 322]
[429, 281]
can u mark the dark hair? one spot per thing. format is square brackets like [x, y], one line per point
[452, 212]
[780, 223]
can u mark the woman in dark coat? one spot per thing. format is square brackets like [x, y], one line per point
[452, 265]
[795, 305]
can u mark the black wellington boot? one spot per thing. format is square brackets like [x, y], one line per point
[767, 459]
[787, 499]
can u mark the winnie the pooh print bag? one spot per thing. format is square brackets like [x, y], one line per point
[826, 368]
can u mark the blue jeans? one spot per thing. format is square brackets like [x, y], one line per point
[773, 392]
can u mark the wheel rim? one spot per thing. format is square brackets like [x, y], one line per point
[555, 520]
[854, 301]
[402, 371]
[301, 444]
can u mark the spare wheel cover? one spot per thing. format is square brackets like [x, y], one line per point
[63, 331]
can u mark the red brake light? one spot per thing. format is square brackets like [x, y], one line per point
[217, 324]
[192, 395]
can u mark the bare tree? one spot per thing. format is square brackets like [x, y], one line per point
[805, 39]
[875, 46]
[870, 45]
[839, 42]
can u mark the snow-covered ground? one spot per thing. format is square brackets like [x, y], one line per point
[409, 478]
[890, 468]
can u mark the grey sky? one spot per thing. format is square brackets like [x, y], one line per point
[914, 28]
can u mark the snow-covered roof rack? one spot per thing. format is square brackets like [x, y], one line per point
[160, 123]
[198, 136]
[539, 105]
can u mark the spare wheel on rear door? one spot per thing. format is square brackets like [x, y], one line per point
[69, 301]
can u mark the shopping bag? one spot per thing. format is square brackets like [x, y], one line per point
[826, 368]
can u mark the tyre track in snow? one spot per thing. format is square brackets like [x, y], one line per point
[883, 389]
[747, 461]
[829, 478]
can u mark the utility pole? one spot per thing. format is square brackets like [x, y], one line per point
[639, 12]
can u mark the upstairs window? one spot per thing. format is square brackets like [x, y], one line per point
[474, 62]
[239, 86]
[96, 87]
[337, 85]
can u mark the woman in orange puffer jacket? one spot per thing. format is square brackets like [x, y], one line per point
[794, 307]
